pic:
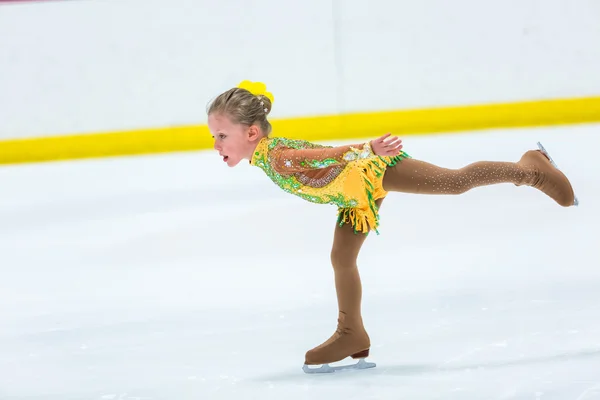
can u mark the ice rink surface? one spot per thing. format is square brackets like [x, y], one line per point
[174, 277]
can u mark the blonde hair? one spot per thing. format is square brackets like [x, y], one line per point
[243, 107]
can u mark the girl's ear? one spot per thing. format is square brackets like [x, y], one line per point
[253, 133]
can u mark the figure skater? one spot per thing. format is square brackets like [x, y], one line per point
[356, 179]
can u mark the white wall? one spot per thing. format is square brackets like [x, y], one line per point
[88, 66]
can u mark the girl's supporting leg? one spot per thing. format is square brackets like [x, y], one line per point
[533, 169]
[350, 337]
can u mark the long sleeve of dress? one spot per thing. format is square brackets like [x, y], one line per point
[287, 160]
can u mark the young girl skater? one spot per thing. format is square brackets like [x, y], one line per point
[356, 179]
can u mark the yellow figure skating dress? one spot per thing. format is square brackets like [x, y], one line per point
[349, 177]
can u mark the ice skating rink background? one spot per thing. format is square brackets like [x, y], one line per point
[170, 276]
[134, 278]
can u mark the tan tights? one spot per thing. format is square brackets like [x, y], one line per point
[413, 176]
[348, 287]
[420, 177]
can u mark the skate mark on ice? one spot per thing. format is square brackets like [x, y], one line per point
[595, 389]
[495, 344]
[460, 356]
[423, 368]
[503, 343]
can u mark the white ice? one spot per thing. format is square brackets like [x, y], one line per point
[174, 277]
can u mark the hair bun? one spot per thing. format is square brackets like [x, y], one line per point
[265, 103]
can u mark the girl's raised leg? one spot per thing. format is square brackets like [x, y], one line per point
[533, 169]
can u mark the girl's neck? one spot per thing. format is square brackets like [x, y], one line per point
[252, 147]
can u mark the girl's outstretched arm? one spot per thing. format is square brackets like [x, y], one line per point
[296, 160]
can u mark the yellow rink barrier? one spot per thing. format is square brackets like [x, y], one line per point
[316, 128]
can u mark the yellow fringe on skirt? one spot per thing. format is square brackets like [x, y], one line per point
[366, 219]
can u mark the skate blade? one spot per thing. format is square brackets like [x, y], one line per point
[327, 369]
[541, 147]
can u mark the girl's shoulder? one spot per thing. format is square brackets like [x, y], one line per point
[297, 144]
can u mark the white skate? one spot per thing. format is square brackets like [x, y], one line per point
[326, 368]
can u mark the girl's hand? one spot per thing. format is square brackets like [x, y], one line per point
[386, 145]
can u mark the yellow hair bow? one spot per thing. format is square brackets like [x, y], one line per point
[256, 88]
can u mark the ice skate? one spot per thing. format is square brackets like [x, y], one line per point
[349, 340]
[549, 180]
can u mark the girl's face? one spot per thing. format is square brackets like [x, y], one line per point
[234, 142]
